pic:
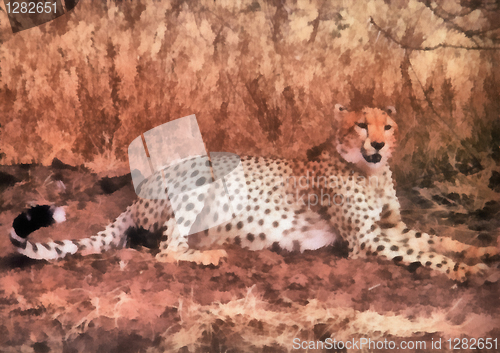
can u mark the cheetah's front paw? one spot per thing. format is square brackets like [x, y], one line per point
[482, 252]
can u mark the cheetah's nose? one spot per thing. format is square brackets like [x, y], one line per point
[378, 145]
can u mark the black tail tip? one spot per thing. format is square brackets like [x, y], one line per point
[35, 218]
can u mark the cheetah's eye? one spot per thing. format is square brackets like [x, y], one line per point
[387, 127]
[362, 125]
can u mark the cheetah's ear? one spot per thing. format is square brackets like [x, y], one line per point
[390, 110]
[339, 112]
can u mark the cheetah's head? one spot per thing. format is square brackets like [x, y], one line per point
[366, 138]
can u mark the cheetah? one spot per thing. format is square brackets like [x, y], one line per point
[345, 193]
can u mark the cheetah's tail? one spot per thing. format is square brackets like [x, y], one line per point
[31, 220]
[116, 235]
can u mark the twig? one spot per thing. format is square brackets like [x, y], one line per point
[440, 45]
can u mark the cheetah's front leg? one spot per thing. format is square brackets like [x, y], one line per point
[176, 248]
[408, 246]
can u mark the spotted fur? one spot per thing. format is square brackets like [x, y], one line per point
[346, 191]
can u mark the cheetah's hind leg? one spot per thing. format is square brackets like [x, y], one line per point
[176, 249]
